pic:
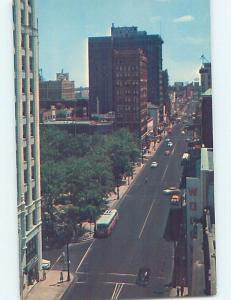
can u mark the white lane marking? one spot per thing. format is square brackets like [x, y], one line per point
[117, 291]
[162, 178]
[174, 149]
[85, 255]
[112, 274]
[145, 221]
[113, 282]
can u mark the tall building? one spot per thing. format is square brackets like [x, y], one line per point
[130, 90]
[57, 90]
[206, 77]
[207, 119]
[27, 140]
[100, 52]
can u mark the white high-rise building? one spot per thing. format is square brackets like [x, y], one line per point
[27, 139]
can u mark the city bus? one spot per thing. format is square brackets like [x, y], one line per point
[106, 222]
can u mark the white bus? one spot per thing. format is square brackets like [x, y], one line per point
[106, 223]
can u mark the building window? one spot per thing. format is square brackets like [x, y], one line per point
[22, 16]
[30, 41]
[34, 194]
[32, 173]
[32, 130]
[31, 64]
[27, 223]
[31, 108]
[35, 218]
[23, 40]
[23, 86]
[32, 151]
[30, 19]
[24, 154]
[31, 250]
[24, 131]
[31, 86]
[26, 197]
[23, 63]
[25, 176]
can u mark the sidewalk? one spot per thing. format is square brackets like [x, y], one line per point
[50, 288]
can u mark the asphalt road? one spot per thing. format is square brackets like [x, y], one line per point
[108, 269]
[144, 236]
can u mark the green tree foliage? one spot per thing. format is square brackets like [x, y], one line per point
[79, 172]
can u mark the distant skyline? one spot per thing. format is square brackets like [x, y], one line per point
[64, 28]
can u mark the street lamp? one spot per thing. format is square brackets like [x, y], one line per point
[68, 263]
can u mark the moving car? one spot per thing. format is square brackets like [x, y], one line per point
[170, 144]
[182, 132]
[154, 164]
[171, 190]
[46, 264]
[143, 276]
[188, 139]
[175, 199]
[167, 140]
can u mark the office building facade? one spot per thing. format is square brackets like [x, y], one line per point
[27, 141]
[57, 90]
[100, 52]
[206, 77]
[130, 90]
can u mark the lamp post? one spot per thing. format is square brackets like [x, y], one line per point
[68, 263]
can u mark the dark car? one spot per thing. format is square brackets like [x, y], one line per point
[143, 276]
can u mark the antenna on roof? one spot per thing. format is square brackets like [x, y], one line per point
[203, 59]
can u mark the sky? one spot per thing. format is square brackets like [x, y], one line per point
[64, 28]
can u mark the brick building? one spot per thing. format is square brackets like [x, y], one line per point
[130, 90]
[100, 52]
[55, 90]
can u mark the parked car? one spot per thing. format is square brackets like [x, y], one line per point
[46, 264]
[143, 276]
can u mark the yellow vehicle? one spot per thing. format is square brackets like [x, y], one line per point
[175, 199]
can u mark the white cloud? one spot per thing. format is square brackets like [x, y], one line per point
[184, 19]
[155, 19]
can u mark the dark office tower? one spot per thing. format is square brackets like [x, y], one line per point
[130, 90]
[207, 119]
[206, 77]
[100, 64]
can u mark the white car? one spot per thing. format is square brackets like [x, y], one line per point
[170, 144]
[167, 140]
[46, 264]
[154, 164]
[171, 190]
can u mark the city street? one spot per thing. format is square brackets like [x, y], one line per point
[143, 236]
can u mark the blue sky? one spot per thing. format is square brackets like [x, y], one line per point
[64, 27]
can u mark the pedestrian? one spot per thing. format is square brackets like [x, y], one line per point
[178, 291]
[182, 291]
[61, 276]
[44, 275]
